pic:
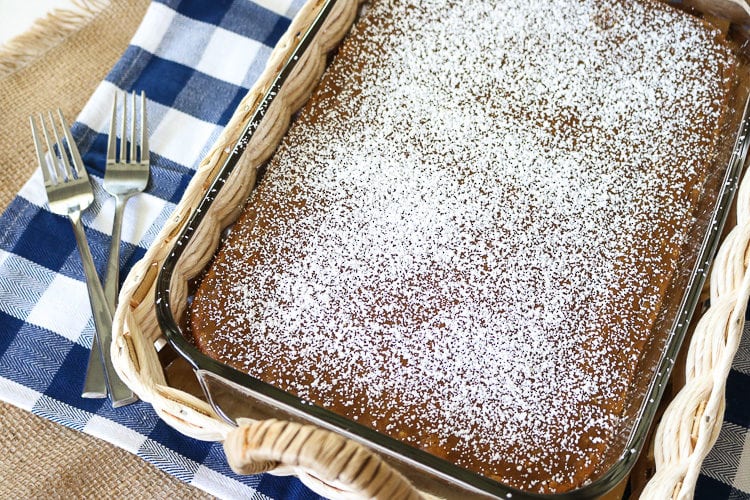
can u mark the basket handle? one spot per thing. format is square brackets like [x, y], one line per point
[339, 463]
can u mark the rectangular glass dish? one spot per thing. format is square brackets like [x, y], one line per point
[235, 394]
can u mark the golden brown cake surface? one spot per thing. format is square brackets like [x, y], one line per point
[466, 236]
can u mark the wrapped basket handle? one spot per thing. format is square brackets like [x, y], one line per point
[341, 464]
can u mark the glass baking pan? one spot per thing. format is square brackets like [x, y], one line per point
[234, 394]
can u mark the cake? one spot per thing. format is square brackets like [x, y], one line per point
[465, 238]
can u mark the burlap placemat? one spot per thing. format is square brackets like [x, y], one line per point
[59, 65]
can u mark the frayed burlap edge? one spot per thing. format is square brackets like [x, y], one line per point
[47, 32]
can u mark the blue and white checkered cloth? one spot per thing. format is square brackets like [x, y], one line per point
[195, 59]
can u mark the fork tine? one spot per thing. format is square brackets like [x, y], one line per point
[112, 139]
[74, 153]
[50, 157]
[39, 154]
[132, 127]
[123, 137]
[60, 147]
[145, 153]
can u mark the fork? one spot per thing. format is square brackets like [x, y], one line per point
[125, 176]
[69, 192]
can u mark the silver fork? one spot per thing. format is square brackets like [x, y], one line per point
[125, 176]
[69, 192]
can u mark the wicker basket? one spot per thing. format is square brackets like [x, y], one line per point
[335, 466]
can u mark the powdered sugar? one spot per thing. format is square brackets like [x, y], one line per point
[464, 240]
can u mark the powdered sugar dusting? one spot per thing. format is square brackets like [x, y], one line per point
[464, 240]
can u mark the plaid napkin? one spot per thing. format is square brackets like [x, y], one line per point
[195, 59]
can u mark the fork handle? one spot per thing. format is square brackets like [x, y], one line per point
[119, 392]
[112, 276]
[95, 383]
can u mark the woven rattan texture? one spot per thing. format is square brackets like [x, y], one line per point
[263, 445]
[42, 459]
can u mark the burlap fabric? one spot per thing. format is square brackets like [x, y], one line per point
[38, 458]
